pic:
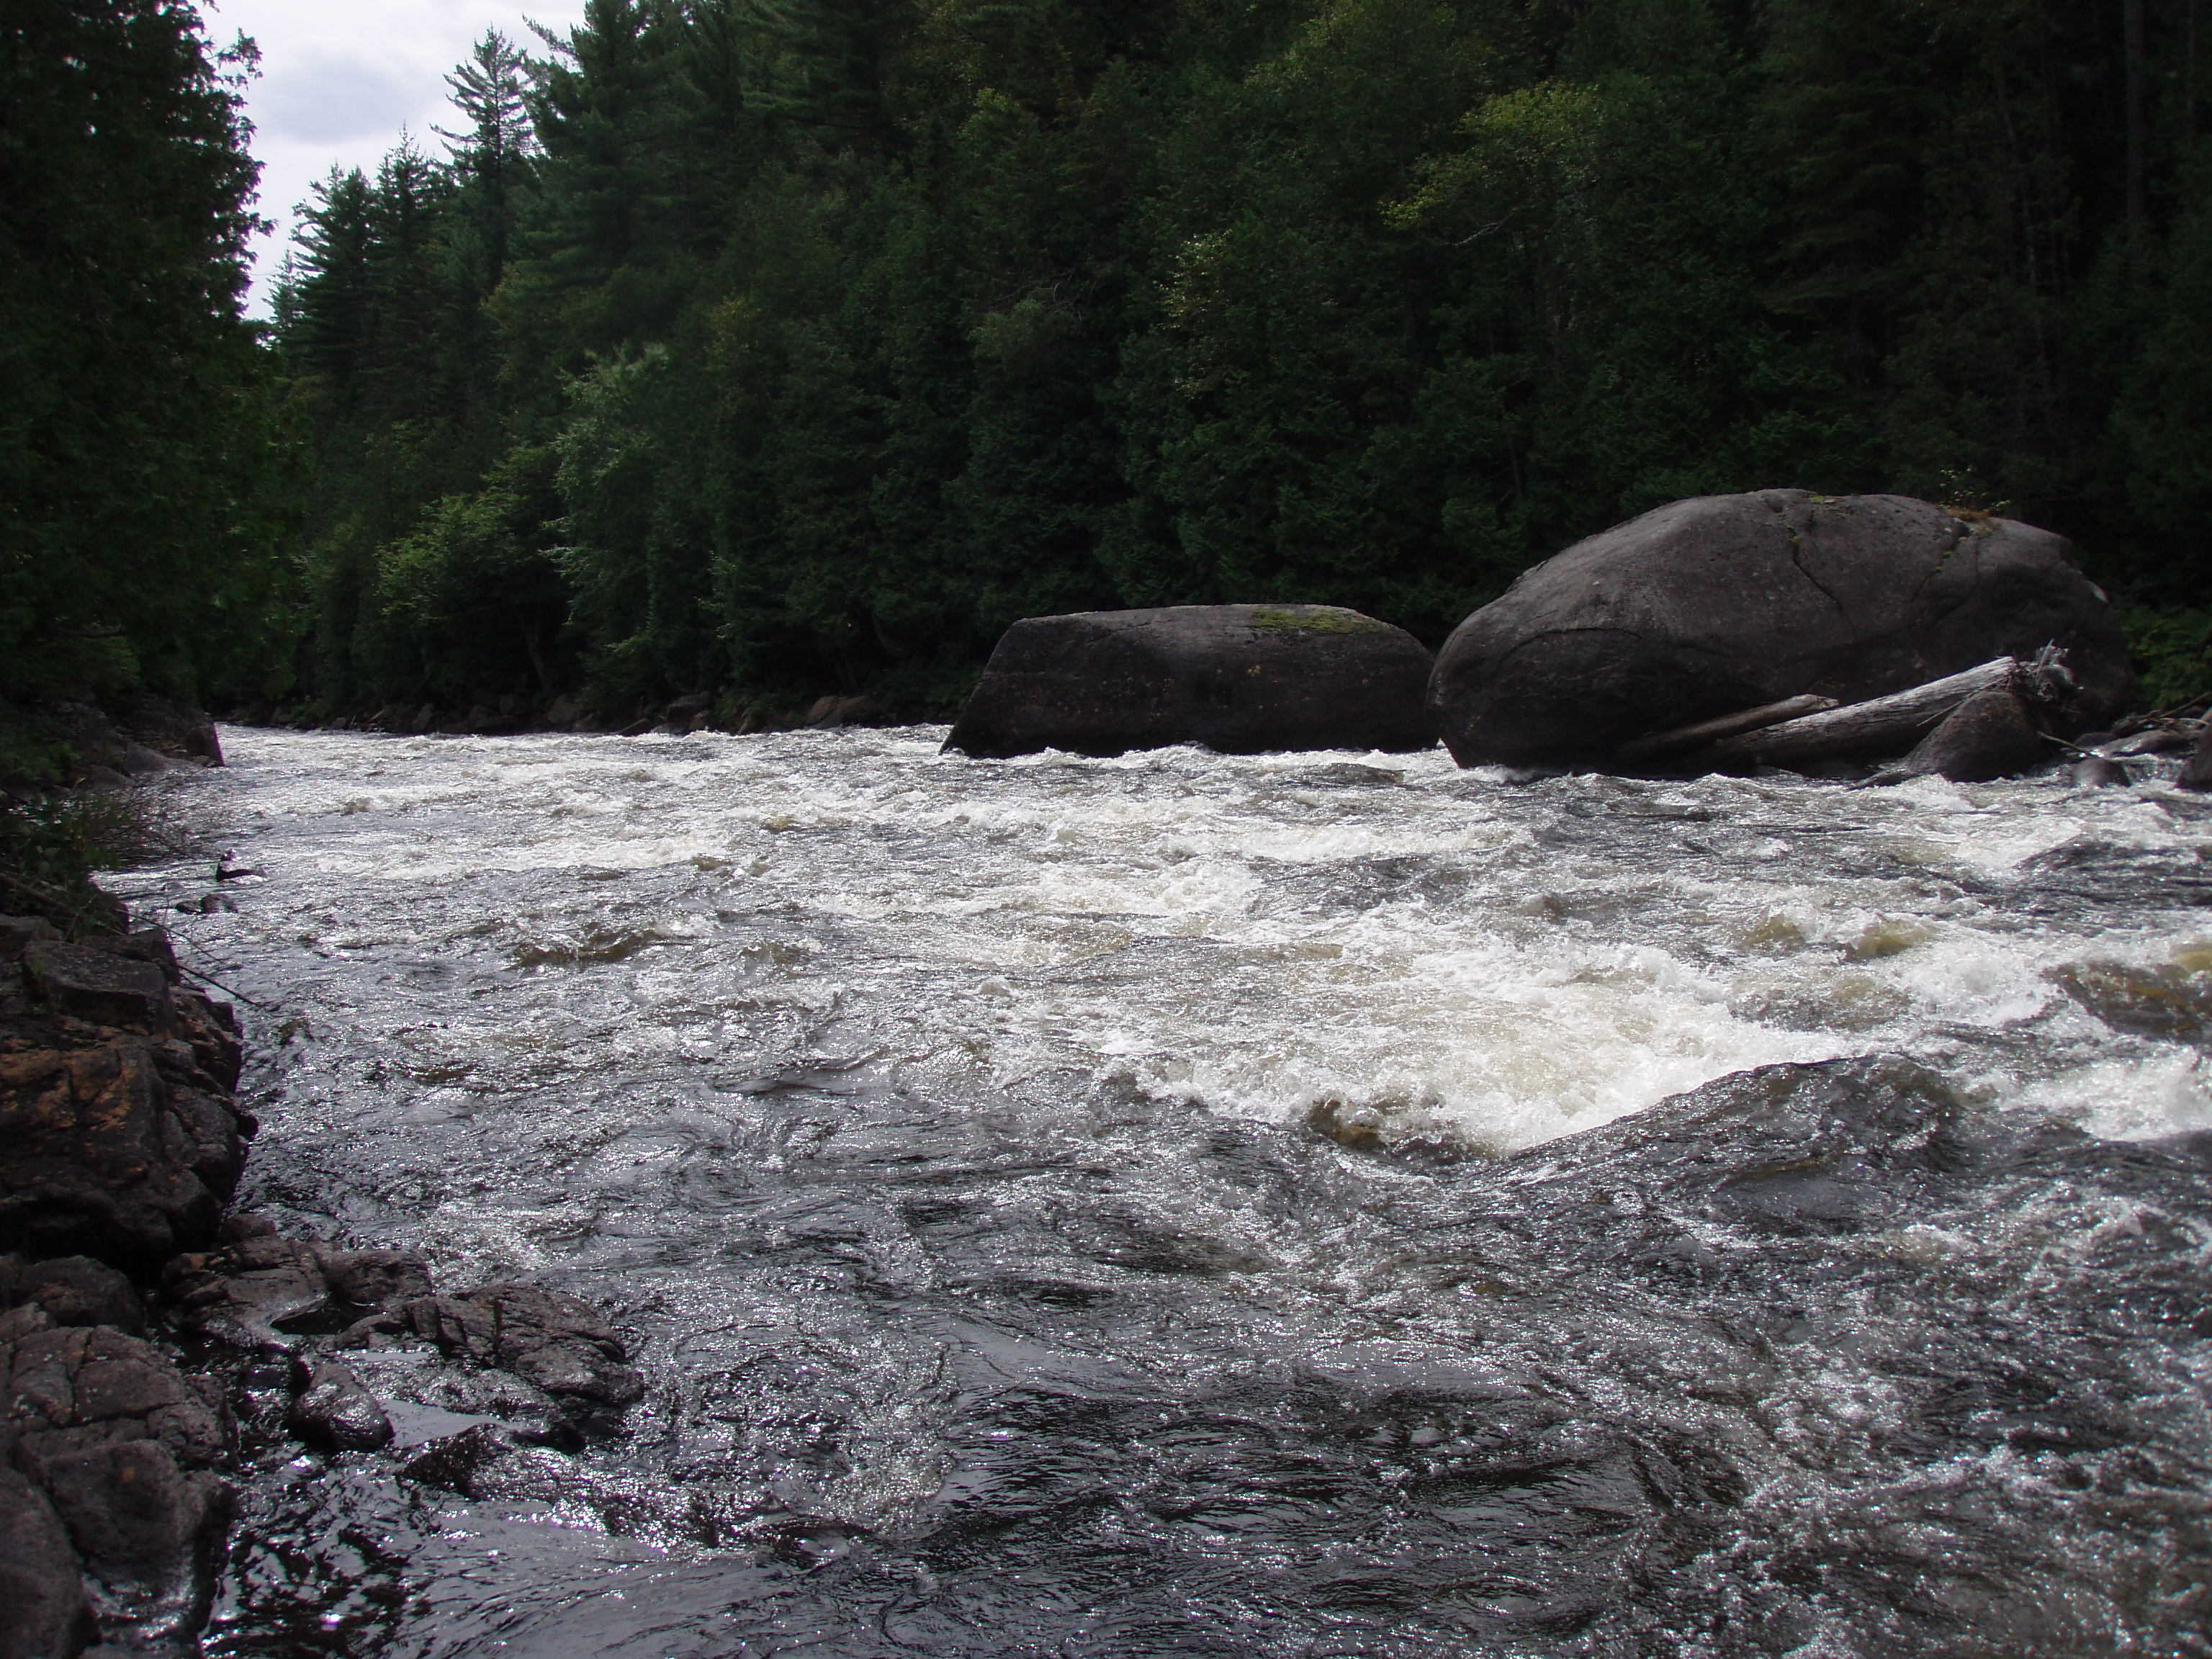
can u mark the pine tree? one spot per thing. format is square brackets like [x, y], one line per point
[134, 440]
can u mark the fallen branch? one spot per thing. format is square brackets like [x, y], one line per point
[1882, 725]
[228, 990]
[1682, 738]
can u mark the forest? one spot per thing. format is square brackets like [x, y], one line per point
[751, 350]
[147, 477]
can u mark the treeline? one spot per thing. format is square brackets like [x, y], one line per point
[770, 347]
[143, 472]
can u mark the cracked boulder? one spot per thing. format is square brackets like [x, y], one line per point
[42, 1607]
[100, 987]
[122, 1150]
[118, 1135]
[73, 1290]
[119, 1450]
[1724, 603]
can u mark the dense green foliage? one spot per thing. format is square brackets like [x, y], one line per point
[51, 845]
[758, 345]
[138, 454]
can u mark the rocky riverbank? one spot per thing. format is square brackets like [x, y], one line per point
[148, 1337]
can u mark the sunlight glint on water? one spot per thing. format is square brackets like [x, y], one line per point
[946, 1132]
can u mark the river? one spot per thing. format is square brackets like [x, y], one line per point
[1189, 1205]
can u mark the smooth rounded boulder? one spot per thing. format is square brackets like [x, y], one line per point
[1722, 603]
[1241, 679]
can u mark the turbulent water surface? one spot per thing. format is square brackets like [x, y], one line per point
[1186, 1205]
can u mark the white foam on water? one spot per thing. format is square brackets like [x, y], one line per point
[1477, 955]
[2146, 1099]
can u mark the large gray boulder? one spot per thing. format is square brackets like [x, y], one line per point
[1727, 602]
[1242, 680]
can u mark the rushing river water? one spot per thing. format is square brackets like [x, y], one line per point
[1166, 1205]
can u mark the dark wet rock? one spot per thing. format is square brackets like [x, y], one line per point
[1993, 734]
[209, 1029]
[335, 1411]
[554, 1342]
[69, 1387]
[137, 735]
[73, 1290]
[177, 730]
[826, 713]
[119, 1138]
[122, 1150]
[124, 1448]
[2153, 740]
[1236, 678]
[150, 944]
[242, 1224]
[490, 1462]
[264, 1290]
[43, 1614]
[402, 1372]
[104, 777]
[1836, 1145]
[2097, 772]
[102, 988]
[136, 760]
[2196, 771]
[27, 1319]
[1730, 602]
[258, 1291]
[131, 1510]
[19, 933]
[376, 1279]
[2165, 999]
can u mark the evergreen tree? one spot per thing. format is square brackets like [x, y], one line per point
[138, 455]
[824, 337]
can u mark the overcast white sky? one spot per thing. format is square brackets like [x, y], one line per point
[341, 79]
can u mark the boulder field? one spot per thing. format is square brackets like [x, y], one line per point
[1724, 603]
[1239, 679]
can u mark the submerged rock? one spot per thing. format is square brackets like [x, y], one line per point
[2097, 772]
[1237, 678]
[2165, 999]
[1824, 1148]
[1728, 602]
[553, 1341]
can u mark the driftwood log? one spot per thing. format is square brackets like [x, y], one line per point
[1682, 738]
[1885, 726]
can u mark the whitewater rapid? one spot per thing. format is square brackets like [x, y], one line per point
[962, 1138]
